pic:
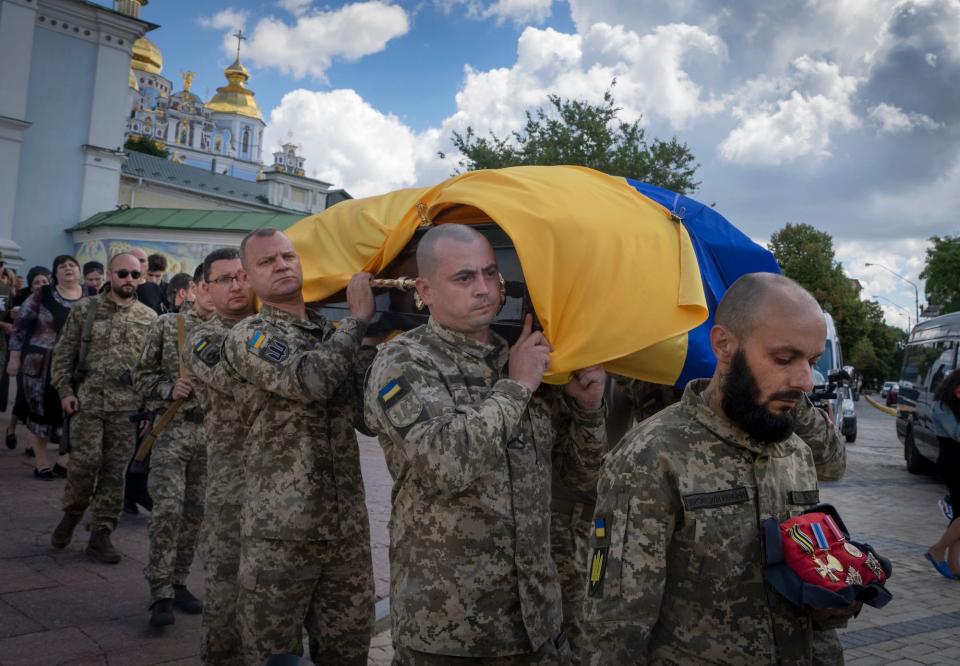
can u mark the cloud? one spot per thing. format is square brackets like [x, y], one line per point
[296, 7]
[349, 143]
[314, 40]
[891, 120]
[819, 100]
[520, 12]
[226, 19]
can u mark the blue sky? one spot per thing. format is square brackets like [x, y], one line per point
[841, 114]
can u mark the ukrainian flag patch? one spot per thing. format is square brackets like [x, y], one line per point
[257, 340]
[200, 346]
[390, 390]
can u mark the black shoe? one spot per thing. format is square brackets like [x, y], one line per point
[129, 506]
[101, 548]
[43, 474]
[60, 470]
[161, 613]
[185, 602]
[11, 440]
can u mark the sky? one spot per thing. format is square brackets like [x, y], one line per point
[843, 114]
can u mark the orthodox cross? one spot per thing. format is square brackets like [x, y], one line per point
[240, 38]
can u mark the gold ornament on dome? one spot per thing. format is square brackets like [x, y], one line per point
[187, 77]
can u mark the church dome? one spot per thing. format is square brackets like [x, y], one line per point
[132, 81]
[146, 57]
[235, 97]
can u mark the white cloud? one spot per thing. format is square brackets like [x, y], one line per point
[226, 19]
[349, 143]
[309, 46]
[893, 120]
[521, 12]
[819, 100]
[296, 7]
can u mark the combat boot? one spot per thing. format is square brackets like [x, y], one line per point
[161, 613]
[63, 532]
[100, 548]
[185, 602]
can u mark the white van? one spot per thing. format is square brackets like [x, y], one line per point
[830, 362]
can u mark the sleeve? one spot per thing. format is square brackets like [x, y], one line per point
[29, 312]
[581, 445]
[814, 428]
[149, 379]
[358, 381]
[448, 446]
[270, 363]
[626, 575]
[67, 348]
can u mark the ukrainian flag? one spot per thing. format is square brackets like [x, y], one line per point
[617, 275]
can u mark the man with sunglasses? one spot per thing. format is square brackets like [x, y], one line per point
[91, 370]
[222, 287]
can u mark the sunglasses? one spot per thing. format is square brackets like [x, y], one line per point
[123, 273]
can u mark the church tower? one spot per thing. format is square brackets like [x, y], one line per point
[239, 123]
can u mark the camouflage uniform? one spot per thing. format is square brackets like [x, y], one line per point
[676, 564]
[571, 511]
[305, 558]
[101, 434]
[178, 460]
[469, 452]
[220, 533]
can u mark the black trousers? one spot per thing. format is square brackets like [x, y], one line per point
[948, 465]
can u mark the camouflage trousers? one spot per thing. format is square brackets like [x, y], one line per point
[220, 550]
[102, 443]
[549, 654]
[827, 649]
[178, 471]
[325, 587]
[570, 548]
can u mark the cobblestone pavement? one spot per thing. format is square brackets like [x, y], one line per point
[61, 608]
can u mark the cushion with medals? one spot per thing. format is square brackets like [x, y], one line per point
[811, 560]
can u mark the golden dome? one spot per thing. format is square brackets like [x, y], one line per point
[235, 97]
[146, 56]
[132, 81]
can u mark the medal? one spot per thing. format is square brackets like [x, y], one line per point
[853, 550]
[821, 538]
[874, 565]
[853, 577]
[834, 563]
[826, 571]
[833, 528]
[801, 539]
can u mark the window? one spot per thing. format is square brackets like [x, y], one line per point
[245, 142]
[943, 364]
[918, 361]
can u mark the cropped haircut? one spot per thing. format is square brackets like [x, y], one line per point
[92, 267]
[742, 306]
[156, 262]
[177, 282]
[222, 254]
[263, 232]
[427, 248]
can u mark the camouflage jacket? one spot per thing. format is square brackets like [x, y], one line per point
[117, 337]
[301, 458]
[225, 419]
[158, 368]
[470, 455]
[676, 568]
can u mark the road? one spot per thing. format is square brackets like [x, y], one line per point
[60, 608]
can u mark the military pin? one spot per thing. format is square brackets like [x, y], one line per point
[874, 565]
[853, 550]
[834, 563]
[825, 571]
[853, 577]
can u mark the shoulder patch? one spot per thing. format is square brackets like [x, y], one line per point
[598, 561]
[208, 352]
[268, 347]
[400, 403]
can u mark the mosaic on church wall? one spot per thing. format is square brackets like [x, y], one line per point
[181, 257]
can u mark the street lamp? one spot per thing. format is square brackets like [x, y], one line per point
[900, 307]
[916, 292]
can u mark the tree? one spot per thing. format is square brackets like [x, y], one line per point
[144, 144]
[942, 273]
[591, 135]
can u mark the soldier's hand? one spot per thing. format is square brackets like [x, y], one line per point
[70, 404]
[529, 357]
[360, 297]
[182, 389]
[586, 387]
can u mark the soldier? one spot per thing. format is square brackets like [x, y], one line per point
[305, 558]
[91, 370]
[469, 434]
[675, 574]
[221, 287]
[181, 289]
[202, 306]
[178, 459]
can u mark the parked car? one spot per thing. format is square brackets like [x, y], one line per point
[830, 363]
[930, 355]
[886, 389]
[892, 393]
[849, 424]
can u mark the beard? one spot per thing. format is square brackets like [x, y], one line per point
[740, 399]
[125, 290]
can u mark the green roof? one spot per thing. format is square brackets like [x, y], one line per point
[184, 219]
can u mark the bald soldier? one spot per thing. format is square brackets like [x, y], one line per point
[469, 434]
[676, 564]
